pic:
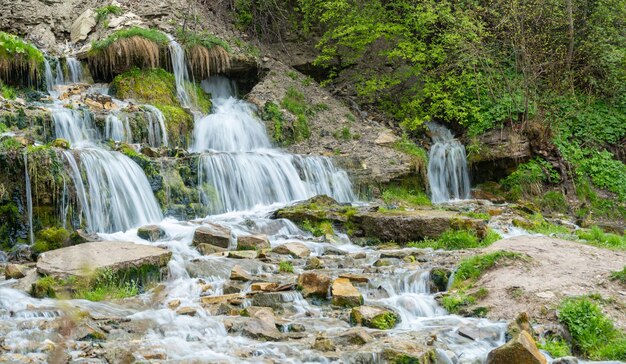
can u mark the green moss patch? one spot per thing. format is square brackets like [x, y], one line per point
[20, 62]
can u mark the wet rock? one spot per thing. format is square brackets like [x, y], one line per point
[521, 323]
[295, 249]
[212, 234]
[243, 254]
[14, 271]
[173, 304]
[355, 336]
[297, 327]
[262, 326]
[439, 278]
[227, 298]
[230, 288]
[208, 249]
[252, 242]
[264, 286]
[345, 294]
[314, 263]
[274, 300]
[323, 343]
[151, 233]
[239, 274]
[566, 360]
[360, 255]
[520, 350]
[150, 152]
[61, 143]
[374, 317]
[81, 236]
[355, 278]
[386, 262]
[187, 311]
[314, 284]
[82, 26]
[82, 260]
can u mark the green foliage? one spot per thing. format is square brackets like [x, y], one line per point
[3, 127]
[9, 144]
[107, 285]
[595, 236]
[593, 334]
[149, 34]
[473, 267]
[295, 103]
[553, 201]
[7, 91]
[403, 197]
[204, 39]
[319, 228]
[477, 215]
[458, 239]
[50, 239]
[556, 346]
[285, 266]
[528, 179]
[619, 276]
[102, 13]
[154, 86]
[271, 112]
[384, 321]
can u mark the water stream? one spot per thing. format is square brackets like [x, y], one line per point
[75, 70]
[448, 175]
[29, 200]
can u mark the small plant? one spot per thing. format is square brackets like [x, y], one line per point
[321, 228]
[477, 215]
[102, 13]
[458, 239]
[398, 195]
[7, 92]
[295, 103]
[556, 346]
[619, 276]
[285, 266]
[293, 75]
[472, 268]
[595, 236]
[50, 239]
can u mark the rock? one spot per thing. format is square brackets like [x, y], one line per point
[521, 323]
[295, 249]
[354, 336]
[439, 278]
[82, 26]
[386, 137]
[264, 286]
[355, 278]
[173, 304]
[274, 300]
[151, 233]
[61, 143]
[314, 263]
[374, 317]
[239, 274]
[150, 152]
[208, 249]
[212, 234]
[81, 236]
[323, 343]
[43, 37]
[187, 311]
[566, 360]
[243, 254]
[345, 294]
[520, 350]
[263, 324]
[230, 288]
[14, 271]
[227, 298]
[314, 284]
[385, 262]
[82, 260]
[252, 242]
[126, 20]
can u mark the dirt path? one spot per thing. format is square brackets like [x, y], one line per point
[559, 269]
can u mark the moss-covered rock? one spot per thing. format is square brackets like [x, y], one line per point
[374, 317]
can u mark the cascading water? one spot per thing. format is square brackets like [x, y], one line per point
[48, 75]
[179, 67]
[59, 79]
[75, 70]
[242, 169]
[29, 200]
[157, 133]
[116, 129]
[448, 174]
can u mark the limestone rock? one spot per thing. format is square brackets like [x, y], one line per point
[187, 311]
[323, 343]
[208, 249]
[243, 254]
[264, 286]
[151, 233]
[239, 274]
[520, 350]
[14, 271]
[273, 299]
[345, 294]
[82, 26]
[295, 249]
[81, 236]
[314, 284]
[252, 242]
[230, 288]
[227, 298]
[374, 317]
[355, 278]
[213, 234]
[83, 259]
[314, 263]
[386, 137]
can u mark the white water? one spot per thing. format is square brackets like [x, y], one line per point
[117, 130]
[448, 175]
[179, 67]
[48, 75]
[242, 169]
[59, 80]
[29, 200]
[75, 70]
[157, 133]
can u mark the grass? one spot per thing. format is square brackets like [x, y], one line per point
[595, 236]
[285, 266]
[619, 276]
[295, 103]
[396, 195]
[593, 334]
[149, 34]
[467, 273]
[477, 215]
[556, 346]
[7, 91]
[321, 228]
[204, 39]
[102, 13]
[20, 61]
[458, 239]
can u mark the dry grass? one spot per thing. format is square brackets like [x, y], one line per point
[204, 62]
[125, 53]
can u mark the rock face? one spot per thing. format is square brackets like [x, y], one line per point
[82, 26]
[374, 317]
[252, 242]
[295, 249]
[314, 284]
[212, 234]
[83, 259]
[151, 232]
[520, 350]
[345, 294]
[14, 271]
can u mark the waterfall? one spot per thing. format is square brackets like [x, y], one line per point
[48, 75]
[75, 70]
[448, 175]
[115, 194]
[29, 200]
[157, 133]
[179, 66]
[59, 80]
[117, 130]
[241, 169]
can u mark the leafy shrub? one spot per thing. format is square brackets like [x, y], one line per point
[50, 239]
[529, 178]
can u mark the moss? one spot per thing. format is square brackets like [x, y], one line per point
[20, 61]
[318, 228]
[402, 197]
[285, 266]
[45, 287]
[179, 124]
[50, 239]
[61, 143]
[384, 321]
[154, 86]
[149, 34]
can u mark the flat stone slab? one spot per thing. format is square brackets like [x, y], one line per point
[83, 259]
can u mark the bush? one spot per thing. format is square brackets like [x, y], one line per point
[528, 179]
[593, 334]
[556, 346]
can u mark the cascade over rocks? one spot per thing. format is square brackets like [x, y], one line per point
[295, 249]
[345, 294]
[521, 349]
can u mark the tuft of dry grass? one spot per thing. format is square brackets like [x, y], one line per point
[204, 61]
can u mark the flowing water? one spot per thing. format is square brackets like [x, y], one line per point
[29, 200]
[179, 67]
[448, 174]
[116, 129]
[157, 133]
[48, 75]
[75, 70]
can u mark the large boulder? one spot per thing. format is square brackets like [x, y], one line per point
[345, 294]
[295, 249]
[82, 26]
[314, 284]
[374, 317]
[212, 234]
[522, 349]
[82, 260]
